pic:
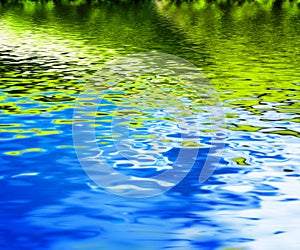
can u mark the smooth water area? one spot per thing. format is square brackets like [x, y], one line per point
[52, 52]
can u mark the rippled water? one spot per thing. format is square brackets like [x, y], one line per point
[49, 54]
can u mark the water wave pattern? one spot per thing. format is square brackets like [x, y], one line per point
[145, 107]
[48, 50]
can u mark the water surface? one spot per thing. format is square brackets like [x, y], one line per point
[250, 54]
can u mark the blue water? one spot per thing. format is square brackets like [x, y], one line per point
[48, 201]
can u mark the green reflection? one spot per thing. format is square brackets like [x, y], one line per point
[250, 53]
[252, 48]
[50, 48]
[249, 50]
